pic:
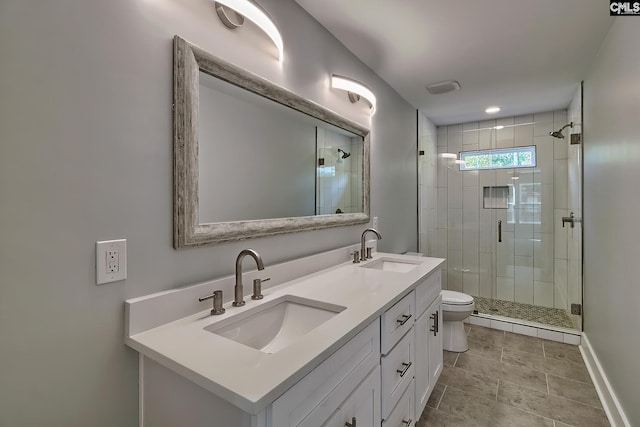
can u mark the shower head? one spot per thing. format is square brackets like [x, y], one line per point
[344, 153]
[558, 134]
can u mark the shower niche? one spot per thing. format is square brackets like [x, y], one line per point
[496, 197]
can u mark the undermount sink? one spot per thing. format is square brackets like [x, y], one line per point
[392, 264]
[276, 324]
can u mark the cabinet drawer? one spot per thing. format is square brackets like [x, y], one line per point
[332, 381]
[428, 291]
[363, 405]
[397, 372]
[403, 414]
[397, 321]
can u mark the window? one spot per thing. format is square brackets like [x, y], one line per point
[499, 158]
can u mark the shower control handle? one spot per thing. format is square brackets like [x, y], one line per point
[499, 231]
[571, 219]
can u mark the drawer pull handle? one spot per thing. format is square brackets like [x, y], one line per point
[352, 423]
[405, 318]
[436, 326]
[407, 422]
[404, 370]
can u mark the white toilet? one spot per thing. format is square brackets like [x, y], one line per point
[456, 307]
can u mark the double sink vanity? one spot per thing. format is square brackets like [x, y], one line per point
[334, 339]
[331, 343]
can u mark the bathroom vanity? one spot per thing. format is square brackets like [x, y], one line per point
[332, 343]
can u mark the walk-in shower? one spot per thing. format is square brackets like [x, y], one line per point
[498, 217]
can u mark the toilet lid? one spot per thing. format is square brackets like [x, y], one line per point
[456, 298]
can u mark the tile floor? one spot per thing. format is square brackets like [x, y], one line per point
[518, 310]
[506, 379]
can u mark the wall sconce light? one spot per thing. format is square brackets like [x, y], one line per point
[355, 90]
[241, 9]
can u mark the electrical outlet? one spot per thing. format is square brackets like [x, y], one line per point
[111, 261]
[374, 223]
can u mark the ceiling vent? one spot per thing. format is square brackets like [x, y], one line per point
[443, 87]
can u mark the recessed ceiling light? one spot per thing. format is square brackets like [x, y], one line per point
[492, 110]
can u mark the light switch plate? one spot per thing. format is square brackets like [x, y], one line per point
[111, 261]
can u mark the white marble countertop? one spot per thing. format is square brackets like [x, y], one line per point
[251, 379]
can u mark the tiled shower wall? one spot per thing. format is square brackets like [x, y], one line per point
[531, 263]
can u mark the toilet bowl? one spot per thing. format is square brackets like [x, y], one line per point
[456, 307]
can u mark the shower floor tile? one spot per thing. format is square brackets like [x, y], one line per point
[517, 310]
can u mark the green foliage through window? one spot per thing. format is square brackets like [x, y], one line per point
[500, 158]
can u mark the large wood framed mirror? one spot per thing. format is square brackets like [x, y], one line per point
[252, 159]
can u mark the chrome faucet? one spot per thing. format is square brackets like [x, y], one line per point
[238, 291]
[363, 255]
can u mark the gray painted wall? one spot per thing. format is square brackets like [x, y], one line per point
[611, 206]
[86, 155]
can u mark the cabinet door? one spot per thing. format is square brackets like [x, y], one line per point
[363, 404]
[320, 393]
[428, 331]
[422, 376]
[435, 342]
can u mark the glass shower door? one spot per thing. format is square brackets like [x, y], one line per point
[499, 217]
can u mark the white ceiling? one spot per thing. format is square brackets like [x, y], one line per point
[525, 56]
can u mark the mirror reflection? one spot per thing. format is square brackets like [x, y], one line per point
[339, 172]
[259, 159]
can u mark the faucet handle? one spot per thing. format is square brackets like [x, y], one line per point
[257, 288]
[369, 256]
[356, 256]
[217, 302]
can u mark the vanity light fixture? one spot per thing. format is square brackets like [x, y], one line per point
[449, 156]
[492, 110]
[247, 9]
[355, 90]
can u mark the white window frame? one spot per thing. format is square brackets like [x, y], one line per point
[515, 150]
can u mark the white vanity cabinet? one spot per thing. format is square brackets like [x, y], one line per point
[428, 339]
[398, 354]
[345, 385]
[411, 364]
[380, 374]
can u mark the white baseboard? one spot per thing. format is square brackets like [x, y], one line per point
[610, 402]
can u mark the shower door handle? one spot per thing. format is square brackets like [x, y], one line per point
[499, 231]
